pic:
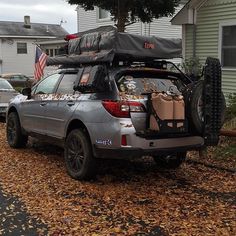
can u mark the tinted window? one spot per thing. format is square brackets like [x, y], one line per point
[25, 77]
[18, 78]
[5, 85]
[229, 46]
[67, 83]
[48, 84]
[85, 76]
[138, 83]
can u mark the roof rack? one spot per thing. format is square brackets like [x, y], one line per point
[106, 45]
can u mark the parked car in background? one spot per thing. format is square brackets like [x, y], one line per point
[18, 80]
[7, 92]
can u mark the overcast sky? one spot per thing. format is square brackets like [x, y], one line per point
[40, 11]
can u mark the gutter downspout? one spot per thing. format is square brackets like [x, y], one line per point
[78, 20]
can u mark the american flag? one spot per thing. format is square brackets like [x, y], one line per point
[40, 63]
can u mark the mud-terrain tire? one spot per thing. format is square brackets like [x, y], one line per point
[15, 137]
[79, 159]
[170, 161]
[196, 108]
[212, 101]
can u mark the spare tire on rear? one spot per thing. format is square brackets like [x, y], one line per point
[195, 109]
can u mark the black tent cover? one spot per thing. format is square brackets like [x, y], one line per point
[106, 44]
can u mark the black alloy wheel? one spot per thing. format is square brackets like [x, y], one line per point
[79, 159]
[15, 137]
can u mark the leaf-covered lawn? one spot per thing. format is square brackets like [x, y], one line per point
[127, 198]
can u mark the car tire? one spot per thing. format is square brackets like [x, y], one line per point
[171, 160]
[195, 113]
[79, 159]
[15, 137]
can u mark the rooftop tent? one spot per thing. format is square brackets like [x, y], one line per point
[105, 44]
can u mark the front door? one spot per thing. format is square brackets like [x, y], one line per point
[59, 111]
[34, 110]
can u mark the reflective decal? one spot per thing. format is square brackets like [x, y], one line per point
[106, 142]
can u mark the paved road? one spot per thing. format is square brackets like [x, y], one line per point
[15, 221]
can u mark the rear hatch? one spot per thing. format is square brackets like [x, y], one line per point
[141, 85]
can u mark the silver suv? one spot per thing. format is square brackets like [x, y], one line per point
[98, 111]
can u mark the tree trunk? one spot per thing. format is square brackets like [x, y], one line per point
[122, 15]
[121, 24]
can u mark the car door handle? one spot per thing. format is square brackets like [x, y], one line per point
[42, 104]
[70, 103]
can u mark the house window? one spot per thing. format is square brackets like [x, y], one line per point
[103, 14]
[228, 49]
[56, 51]
[51, 52]
[21, 48]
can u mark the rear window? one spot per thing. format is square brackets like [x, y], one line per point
[144, 82]
[5, 85]
[67, 83]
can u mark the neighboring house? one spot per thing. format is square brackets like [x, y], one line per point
[99, 17]
[51, 46]
[209, 29]
[18, 41]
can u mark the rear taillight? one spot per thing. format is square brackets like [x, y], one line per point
[122, 109]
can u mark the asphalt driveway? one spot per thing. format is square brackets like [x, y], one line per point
[15, 220]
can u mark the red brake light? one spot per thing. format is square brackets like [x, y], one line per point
[122, 109]
[123, 140]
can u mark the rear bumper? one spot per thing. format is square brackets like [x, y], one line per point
[151, 147]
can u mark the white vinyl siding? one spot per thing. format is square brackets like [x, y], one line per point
[86, 19]
[159, 27]
[17, 63]
[208, 43]
[90, 20]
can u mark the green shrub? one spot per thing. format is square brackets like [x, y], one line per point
[192, 67]
[231, 107]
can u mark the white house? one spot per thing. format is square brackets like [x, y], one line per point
[18, 41]
[209, 29]
[159, 27]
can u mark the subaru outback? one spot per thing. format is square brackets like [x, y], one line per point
[112, 98]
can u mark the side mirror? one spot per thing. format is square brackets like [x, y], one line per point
[26, 92]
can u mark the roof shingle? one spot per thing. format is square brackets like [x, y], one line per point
[10, 28]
